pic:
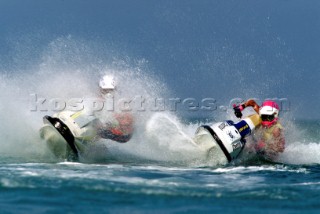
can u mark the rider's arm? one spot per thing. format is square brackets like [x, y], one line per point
[253, 104]
[239, 108]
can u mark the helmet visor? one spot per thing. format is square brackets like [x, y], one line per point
[106, 90]
[265, 117]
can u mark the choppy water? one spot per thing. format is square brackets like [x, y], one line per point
[34, 185]
[158, 49]
[126, 188]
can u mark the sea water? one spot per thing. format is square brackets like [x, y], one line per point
[158, 171]
[56, 51]
[128, 188]
[34, 185]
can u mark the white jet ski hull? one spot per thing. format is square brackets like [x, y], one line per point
[56, 144]
[224, 141]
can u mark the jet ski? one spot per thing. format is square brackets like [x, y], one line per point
[70, 135]
[225, 140]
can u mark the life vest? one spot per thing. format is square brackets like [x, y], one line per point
[266, 143]
[268, 132]
[120, 129]
[125, 123]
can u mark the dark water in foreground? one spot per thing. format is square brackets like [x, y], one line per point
[125, 188]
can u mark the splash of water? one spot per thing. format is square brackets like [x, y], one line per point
[62, 74]
[68, 69]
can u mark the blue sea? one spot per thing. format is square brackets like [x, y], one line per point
[33, 184]
[178, 65]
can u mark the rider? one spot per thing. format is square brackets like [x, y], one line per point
[270, 135]
[116, 126]
[81, 128]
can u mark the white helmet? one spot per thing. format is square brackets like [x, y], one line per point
[269, 112]
[107, 82]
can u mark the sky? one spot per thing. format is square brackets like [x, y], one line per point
[207, 48]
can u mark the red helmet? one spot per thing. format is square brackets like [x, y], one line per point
[269, 112]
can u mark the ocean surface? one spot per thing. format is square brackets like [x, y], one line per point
[32, 184]
[172, 60]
